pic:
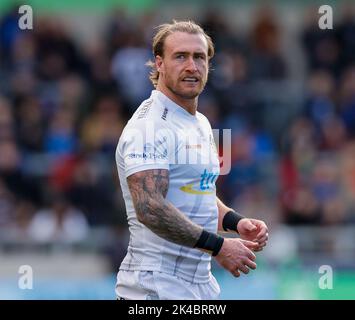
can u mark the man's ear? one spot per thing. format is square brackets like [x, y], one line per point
[159, 63]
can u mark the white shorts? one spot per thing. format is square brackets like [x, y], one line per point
[154, 285]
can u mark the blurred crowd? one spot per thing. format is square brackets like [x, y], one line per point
[63, 105]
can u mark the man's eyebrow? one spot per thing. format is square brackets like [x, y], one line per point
[188, 52]
[180, 52]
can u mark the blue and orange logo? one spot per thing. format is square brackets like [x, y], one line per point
[206, 185]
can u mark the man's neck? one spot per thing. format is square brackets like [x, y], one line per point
[190, 105]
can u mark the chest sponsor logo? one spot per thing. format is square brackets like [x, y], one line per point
[204, 187]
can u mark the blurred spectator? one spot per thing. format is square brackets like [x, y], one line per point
[301, 146]
[118, 31]
[9, 32]
[257, 202]
[15, 181]
[61, 222]
[72, 91]
[30, 124]
[322, 46]
[24, 53]
[57, 54]
[231, 83]
[7, 205]
[61, 172]
[333, 133]
[130, 72]
[267, 61]
[100, 76]
[245, 170]
[346, 31]
[21, 217]
[217, 27]
[325, 179]
[335, 211]
[347, 100]
[61, 137]
[301, 206]
[210, 107]
[102, 129]
[320, 104]
[7, 125]
[347, 177]
[93, 193]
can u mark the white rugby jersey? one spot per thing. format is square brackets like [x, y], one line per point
[163, 135]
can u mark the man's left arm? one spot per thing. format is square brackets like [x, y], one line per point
[248, 229]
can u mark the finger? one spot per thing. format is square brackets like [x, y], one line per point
[236, 273]
[249, 244]
[249, 263]
[250, 226]
[263, 244]
[263, 239]
[243, 268]
[262, 232]
[250, 255]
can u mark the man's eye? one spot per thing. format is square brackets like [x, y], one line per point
[180, 56]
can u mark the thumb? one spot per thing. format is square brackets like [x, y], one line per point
[249, 226]
[250, 244]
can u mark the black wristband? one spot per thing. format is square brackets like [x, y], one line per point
[210, 241]
[230, 220]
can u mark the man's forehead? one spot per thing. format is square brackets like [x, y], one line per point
[184, 42]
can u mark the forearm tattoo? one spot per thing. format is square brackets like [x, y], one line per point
[148, 190]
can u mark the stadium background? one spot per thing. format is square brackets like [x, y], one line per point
[284, 87]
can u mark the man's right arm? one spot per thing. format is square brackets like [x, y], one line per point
[148, 190]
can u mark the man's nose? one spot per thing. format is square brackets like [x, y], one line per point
[191, 65]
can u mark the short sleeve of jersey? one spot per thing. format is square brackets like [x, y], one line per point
[145, 146]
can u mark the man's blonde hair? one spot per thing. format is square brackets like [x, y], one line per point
[166, 29]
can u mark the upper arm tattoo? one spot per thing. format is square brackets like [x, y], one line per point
[148, 190]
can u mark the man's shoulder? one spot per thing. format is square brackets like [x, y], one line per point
[145, 110]
[151, 112]
[149, 118]
[203, 118]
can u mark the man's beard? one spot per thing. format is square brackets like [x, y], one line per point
[187, 95]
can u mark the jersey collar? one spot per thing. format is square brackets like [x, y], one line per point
[167, 102]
